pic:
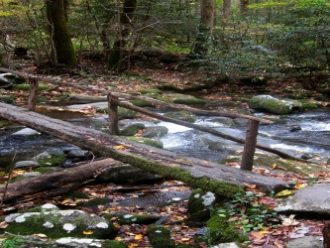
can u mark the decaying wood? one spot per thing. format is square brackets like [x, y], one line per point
[56, 183]
[33, 94]
[218, 178]
[113, 114]
[131, 106]
[59, 81]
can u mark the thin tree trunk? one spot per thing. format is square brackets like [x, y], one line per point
[117, 53]
[62, 48]
[226, 9]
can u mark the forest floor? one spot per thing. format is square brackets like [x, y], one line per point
[136, 79]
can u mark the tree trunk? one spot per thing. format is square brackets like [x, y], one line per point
[326, 234]
[226, 9]
[205, 27]
[62, 48]
[244, 4]
[221, 179]
[117, 53]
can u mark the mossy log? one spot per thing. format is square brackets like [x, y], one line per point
[220, 179]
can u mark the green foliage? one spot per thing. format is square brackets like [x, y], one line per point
[12, 242]
[248, 212]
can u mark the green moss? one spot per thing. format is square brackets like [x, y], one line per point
[53, 160]
[182, 115]
[181, 99]
[137, 219]
[151, 92]
[45, 169]
[8, 99]
[114, 244]
[12, 242]
[141, 103]
[308, 105]
[123, 113]
[221, 230]
[4, 123]
[133, 129]
[160, 237]
[78, 195]
[147, 141]
[96, 202]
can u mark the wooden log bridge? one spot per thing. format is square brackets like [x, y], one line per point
[221, 179]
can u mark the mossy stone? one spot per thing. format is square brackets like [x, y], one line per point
[137, 219]
[308, 105]
[147, 141]
[160, 237]
[132, 129]
[155, 132]
[182, 99]
[274, 105]
[4, 123]
[181, 115]
[221, 230]
[151, 92]
[52, 160]
[141, 103]
[95, 202]
[123, 113]
[8, 99]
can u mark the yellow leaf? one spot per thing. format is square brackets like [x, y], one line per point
[299, 185]
[133, 245]
[88, 232]
[119, 147]
[138, 237]
[284, 193]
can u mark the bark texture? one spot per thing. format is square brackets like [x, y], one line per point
[62, 48]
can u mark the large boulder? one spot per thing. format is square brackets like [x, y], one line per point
[56, 223]
[181, 115]
[275, 105]
[182, 99]
[155, 132]
[310, 200]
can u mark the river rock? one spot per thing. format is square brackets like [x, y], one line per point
[181, 115]
[182, 99]
[160, 237]
[26, 164]
[31, 174]
[155, 132]
[26, 132]
[275, 105]
[310, 200]
[78, 153]
[50, 158]
[224, 120]
[306, 242]
[56, 223]
[8, 80]
[146, 141]
[132, 129]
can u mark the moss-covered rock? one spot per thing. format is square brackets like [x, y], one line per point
[181, 99]
[123, 113]
[181, 115]
[50, 159]
[199, 207]
[221, 230]
[114, 244]
[155, 132]
[308, 104]
[146, 141]
[132, 129]
[137, 218]
[95, 202]
[152, 92]
[300, 94]
[57, 223]
[5, 123]
[275, 105]
[26, 87]
[141, 103]
[160, 237]
[8, 99]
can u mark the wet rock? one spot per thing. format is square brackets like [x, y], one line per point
[182, 99]
[274, 105]
[214, 145]
[155, 132]
[144, 219]
[182, 115]
[8, 80]
[132, 129]
[310, 200]
[147, 141]
[50, 158]
[199, 207]
[141, 103]
[294, 128]
[78, 153]
[160, 237]
[26, 132]
[306, 242]
[31, 174]
[224, 120]
[26, 164]
[57, 223]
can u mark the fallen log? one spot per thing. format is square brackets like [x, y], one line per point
[155, 102]
[59, 182]
[223, 180]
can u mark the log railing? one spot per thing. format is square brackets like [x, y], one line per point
[250, 142]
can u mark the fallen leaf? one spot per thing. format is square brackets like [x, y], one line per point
[119, 147]
[88, 232]
[284, 193]
[138, 237]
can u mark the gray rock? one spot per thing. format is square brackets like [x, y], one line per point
[7, 80]
[155, 132]
[57, 223]
[31, 174]
[306, 242]
[77, 153]
[132, 129]
[26, 164]
[224, 120]
[26, 132]
[310, 200]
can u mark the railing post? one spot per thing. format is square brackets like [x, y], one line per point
[250, 145]
[32, 101]
[113, 114]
